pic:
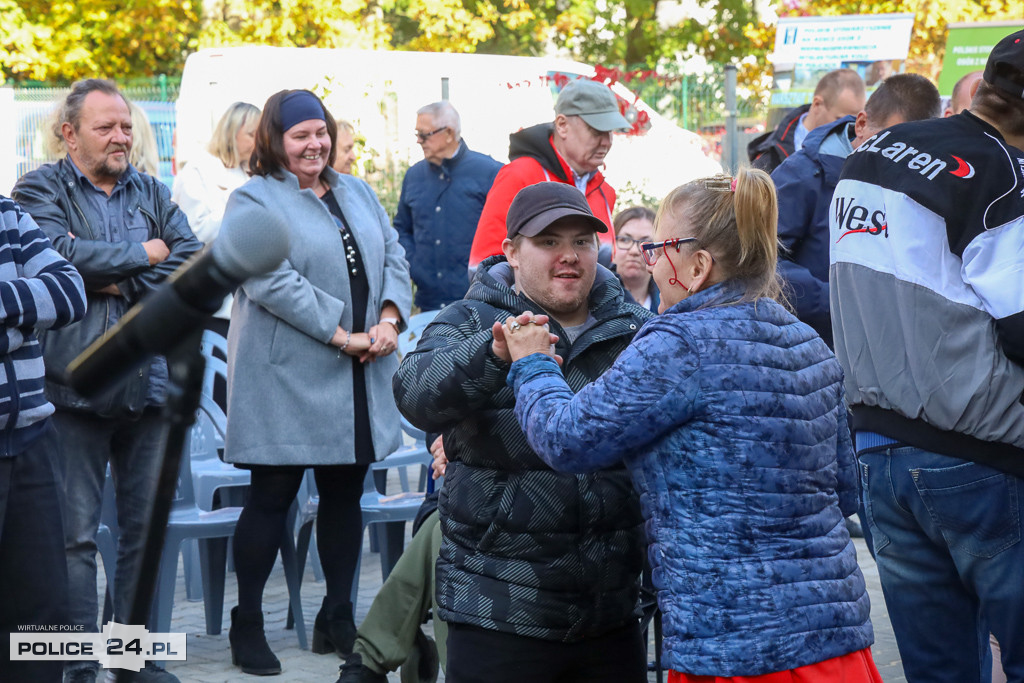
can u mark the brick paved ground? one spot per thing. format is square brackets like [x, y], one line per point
[209, 659]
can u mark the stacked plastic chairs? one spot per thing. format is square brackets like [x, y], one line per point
[201, 476]
[211, 528]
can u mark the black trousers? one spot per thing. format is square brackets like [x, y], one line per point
[33, 571]
[477, 655]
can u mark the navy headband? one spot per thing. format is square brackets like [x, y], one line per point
[299, 106]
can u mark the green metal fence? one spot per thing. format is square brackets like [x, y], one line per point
[694, 101]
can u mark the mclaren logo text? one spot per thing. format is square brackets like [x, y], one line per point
[853, 218]
[902, 153]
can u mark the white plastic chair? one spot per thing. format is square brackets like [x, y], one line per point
[392, 511]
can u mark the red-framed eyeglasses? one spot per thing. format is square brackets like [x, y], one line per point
[651, 251]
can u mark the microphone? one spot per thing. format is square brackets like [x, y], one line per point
[251, 242]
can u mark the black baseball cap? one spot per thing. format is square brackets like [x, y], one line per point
[1006, 60]
[535, 207]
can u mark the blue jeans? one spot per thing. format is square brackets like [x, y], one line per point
[947, 540]
[134, 450]
[33, 574]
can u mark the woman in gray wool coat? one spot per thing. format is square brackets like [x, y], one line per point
[310, 360]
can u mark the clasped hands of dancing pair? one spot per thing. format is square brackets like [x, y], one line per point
[524, 334]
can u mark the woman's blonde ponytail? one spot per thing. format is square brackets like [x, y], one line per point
[736, 220]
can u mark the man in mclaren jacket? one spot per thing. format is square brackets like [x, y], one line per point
[571, 150]
[927, 299]
[539, 570]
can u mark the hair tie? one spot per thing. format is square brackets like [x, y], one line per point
[720, 183]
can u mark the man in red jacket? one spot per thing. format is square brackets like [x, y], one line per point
[570, 151]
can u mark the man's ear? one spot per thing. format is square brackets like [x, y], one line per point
[974, 90]
[67, 131]
[562, 126]
[509, 249]
[861, 124]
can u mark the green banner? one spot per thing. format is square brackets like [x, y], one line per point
[967, 49]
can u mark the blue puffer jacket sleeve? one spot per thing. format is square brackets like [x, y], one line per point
[620, 413]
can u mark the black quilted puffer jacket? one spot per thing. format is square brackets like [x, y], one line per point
[526, 550]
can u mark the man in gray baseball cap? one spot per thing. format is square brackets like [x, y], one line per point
[594, 103]
[569, 150]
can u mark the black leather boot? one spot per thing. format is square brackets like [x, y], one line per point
[354, 671]
[249, 649]
[334, 630]
[422, 664]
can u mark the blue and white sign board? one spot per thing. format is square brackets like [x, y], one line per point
[806, 48]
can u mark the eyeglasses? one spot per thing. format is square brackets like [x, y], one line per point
[422, 137]
[625, 242]
[652, 250]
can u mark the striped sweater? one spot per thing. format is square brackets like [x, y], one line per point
[39, 289]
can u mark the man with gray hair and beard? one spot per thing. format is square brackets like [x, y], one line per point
[123, 233]
[442, 197]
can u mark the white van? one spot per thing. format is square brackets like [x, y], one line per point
[380, 91]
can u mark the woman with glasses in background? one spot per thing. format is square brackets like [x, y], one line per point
[633, 227]
[729, 413]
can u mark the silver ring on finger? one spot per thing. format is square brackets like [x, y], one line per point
[514, 325]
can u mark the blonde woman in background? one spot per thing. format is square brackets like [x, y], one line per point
[203, 186]
[145, 156]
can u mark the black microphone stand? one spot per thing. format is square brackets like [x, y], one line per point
[185, 367]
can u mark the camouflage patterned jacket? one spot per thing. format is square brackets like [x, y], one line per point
[526, 550]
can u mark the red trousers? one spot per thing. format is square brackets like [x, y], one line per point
[856, 667]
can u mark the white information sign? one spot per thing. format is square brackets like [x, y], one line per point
[817, 43]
